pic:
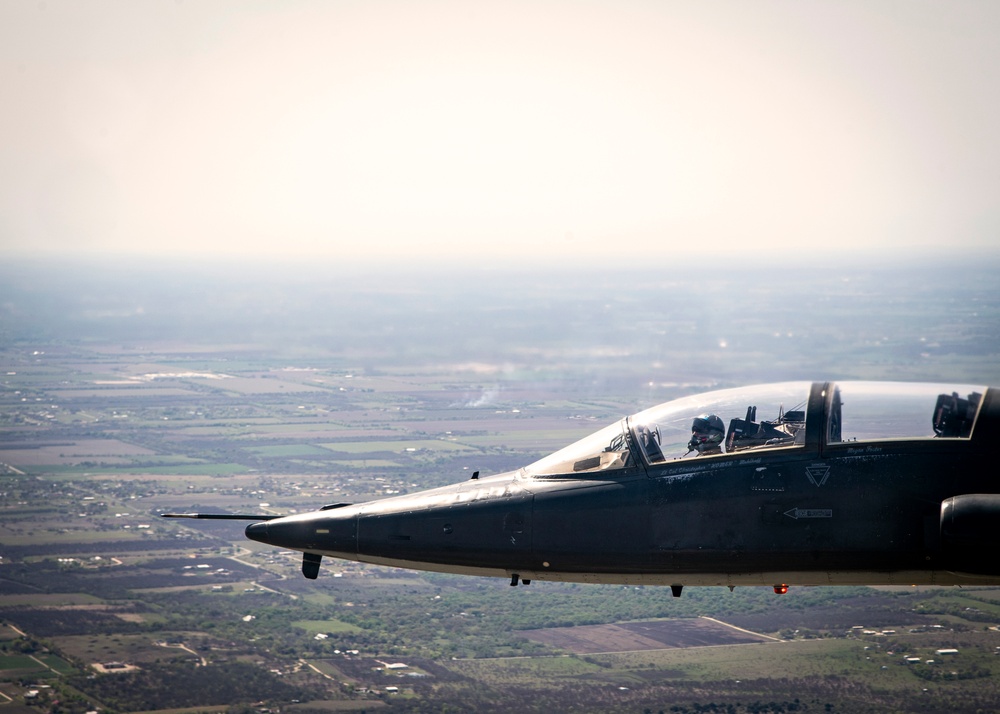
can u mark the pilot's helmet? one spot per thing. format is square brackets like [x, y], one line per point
[707, 432]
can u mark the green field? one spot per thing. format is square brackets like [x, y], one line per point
[367, 447]
[289, 450]
[59, 665]
[48, 600]
[799, 658]
[336, 705]
[334, 627]
[527, 671]
[39, 666]
[368, 464]
[19, 662]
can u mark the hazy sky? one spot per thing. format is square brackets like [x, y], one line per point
[624, 130]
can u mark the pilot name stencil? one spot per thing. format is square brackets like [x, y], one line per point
[818, 474]
[865, 450]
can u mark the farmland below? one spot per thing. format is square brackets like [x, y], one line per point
[121, 398]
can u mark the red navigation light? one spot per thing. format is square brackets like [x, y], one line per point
[780, 589]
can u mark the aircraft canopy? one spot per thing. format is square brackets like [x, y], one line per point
[770, 416]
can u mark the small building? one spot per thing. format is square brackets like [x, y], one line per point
[114, 667]
[946, 652]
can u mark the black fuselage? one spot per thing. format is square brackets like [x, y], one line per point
[819, 511]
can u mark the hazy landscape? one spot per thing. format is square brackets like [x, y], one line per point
[267, 256]
[127, 391]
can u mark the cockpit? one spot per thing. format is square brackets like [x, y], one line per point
[760, 417]
[770, 416]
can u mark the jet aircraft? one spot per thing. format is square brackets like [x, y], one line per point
[795, 483]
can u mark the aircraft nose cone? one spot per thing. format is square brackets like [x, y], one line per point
[330, 532]
[257, 532]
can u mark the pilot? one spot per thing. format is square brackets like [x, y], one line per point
[707, 433]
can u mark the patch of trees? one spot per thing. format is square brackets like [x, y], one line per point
[21, 552]
[756, 707]
[12, 587]
[957, 610]
[181, 684]
[57, 623]
[115, 583]
[946, 674]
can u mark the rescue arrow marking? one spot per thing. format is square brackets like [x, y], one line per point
[797, 513]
